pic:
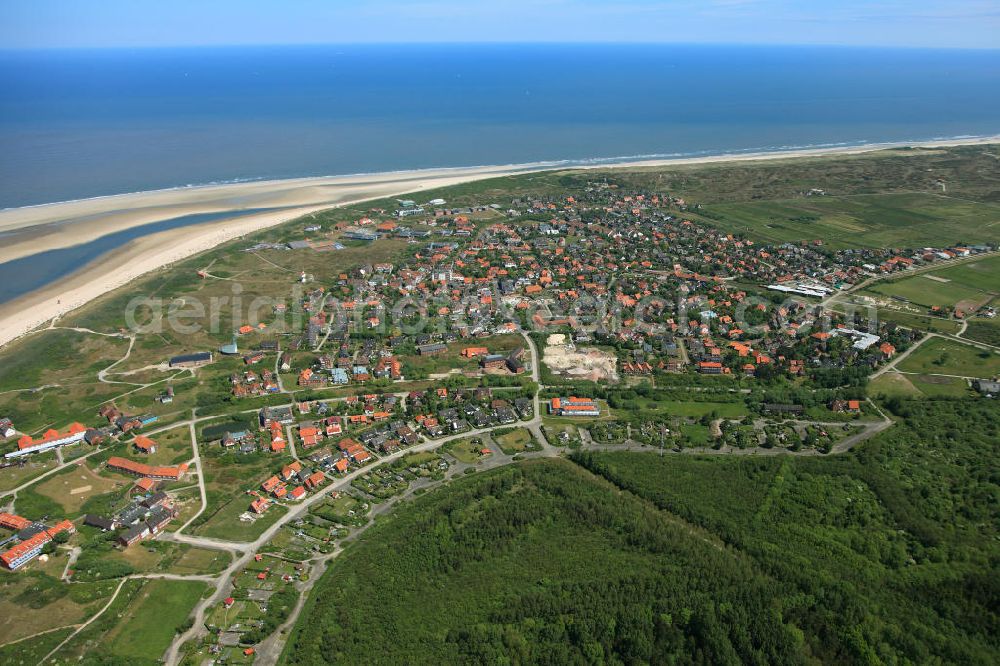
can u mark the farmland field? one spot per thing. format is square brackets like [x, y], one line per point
[925, 290]
[867, 220]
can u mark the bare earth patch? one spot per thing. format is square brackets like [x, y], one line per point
[586, 363]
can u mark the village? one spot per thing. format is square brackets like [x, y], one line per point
[599, 319]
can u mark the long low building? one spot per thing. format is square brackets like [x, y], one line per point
[141, 469]
[30, 548]
[50, 440]
[572, 406]
[13, 522]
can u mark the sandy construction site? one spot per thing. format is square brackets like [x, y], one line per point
[586, 363]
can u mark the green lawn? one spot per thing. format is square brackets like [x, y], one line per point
[892, 384]
[464, 450]
[516, 441]
[697, 434]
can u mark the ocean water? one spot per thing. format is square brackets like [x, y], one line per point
[84, 123]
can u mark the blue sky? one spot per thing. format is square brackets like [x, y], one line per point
[921, 23]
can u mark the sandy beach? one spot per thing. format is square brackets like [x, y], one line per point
[35, 229]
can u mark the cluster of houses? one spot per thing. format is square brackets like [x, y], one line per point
[441, 412]
[292, 483]
[638, 274]
[145, 516]
[28, 538]
[252, 384]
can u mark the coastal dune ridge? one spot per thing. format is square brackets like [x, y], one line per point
[33, 229]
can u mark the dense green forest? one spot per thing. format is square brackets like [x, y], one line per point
[886, 555]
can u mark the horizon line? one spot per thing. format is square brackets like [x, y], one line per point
[487, 43]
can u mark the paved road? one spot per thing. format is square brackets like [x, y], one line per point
[899, 357]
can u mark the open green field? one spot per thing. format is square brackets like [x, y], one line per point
[911, 219]
[901, 314]
[947, 357]
[200, 561]
[919, 321]
[692, 409]
[937, 386]
[154, 613]
[981, 273]
[73, 486]
[966, 285]
[33, 650]
[172, 448]
[227, 477]
[226, 524]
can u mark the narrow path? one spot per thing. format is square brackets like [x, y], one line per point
[196, 460]
[87, 623]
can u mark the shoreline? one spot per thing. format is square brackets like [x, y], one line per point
[45, 227]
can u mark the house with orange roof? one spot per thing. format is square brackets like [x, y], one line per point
[315, 480]
[290, 470]
[310, 436]
[144, 444]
